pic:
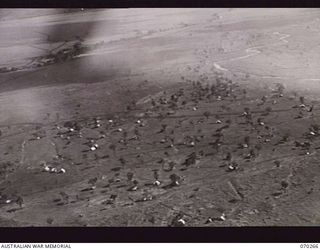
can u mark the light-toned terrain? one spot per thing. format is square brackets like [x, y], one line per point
[112, 64]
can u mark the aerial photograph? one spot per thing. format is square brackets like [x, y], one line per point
[162, 117]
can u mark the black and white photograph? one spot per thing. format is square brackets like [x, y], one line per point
[162, 117]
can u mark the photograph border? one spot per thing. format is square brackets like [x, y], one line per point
[160, 234]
